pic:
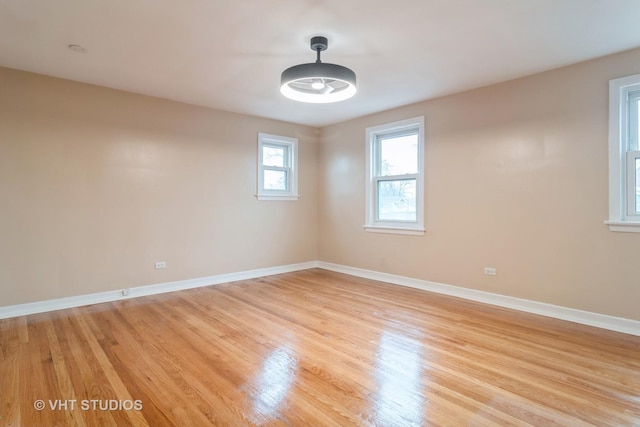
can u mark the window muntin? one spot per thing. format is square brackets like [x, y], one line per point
[277, 168]
[395, 181]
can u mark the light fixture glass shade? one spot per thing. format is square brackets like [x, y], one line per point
[318, 82]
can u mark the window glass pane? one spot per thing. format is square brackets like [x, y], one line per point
[637, 185]
[398, 155]
[635, 145]
[397, 200]
[275, 180]
[273, 156]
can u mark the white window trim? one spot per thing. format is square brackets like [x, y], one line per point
[394, 227]
[291, 166]
[620, 153]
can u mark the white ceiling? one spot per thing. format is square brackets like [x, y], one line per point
[229, 54]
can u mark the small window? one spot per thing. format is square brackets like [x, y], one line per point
[395, 182]
[277, 167]
[624, 154]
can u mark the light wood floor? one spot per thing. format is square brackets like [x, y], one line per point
[312, 348]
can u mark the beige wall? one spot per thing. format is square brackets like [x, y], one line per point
[96, 185]
[516, 179]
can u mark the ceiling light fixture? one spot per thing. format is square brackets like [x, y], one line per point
[318, 82]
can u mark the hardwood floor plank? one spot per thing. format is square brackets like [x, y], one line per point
[314, 348]
[10, 343]
[64, 385]
[117, 386]
[84, 371]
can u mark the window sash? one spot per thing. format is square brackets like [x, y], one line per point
[377, 198]
[632, 154]
[632, 121]
[415, 131]
[377, 171]
[633, 186]
[287, 180]
[286, 155]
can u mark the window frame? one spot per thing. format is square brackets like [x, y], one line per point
[373, 137]
[623, 149]
[290, 167]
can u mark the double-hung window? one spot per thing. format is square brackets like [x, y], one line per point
[277, 167]
[395, 181]
[624, 154]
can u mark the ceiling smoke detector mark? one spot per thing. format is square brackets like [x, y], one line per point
[77, 48]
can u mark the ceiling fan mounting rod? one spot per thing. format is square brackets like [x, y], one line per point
[319, 43]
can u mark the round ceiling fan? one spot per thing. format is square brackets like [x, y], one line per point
[318, 82]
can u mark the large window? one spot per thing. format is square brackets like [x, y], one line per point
[395, 183]
[624, 154]
[277, 167]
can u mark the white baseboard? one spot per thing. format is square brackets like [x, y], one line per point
[80, 300]
[603, 321]
[617, 324]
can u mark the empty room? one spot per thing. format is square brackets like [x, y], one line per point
[320, 213]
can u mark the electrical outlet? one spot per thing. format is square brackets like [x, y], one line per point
[161, 264]
[125, 292]
[490, 271]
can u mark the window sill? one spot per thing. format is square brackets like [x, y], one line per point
[395, 230]
[277, 197]
[624, 226]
